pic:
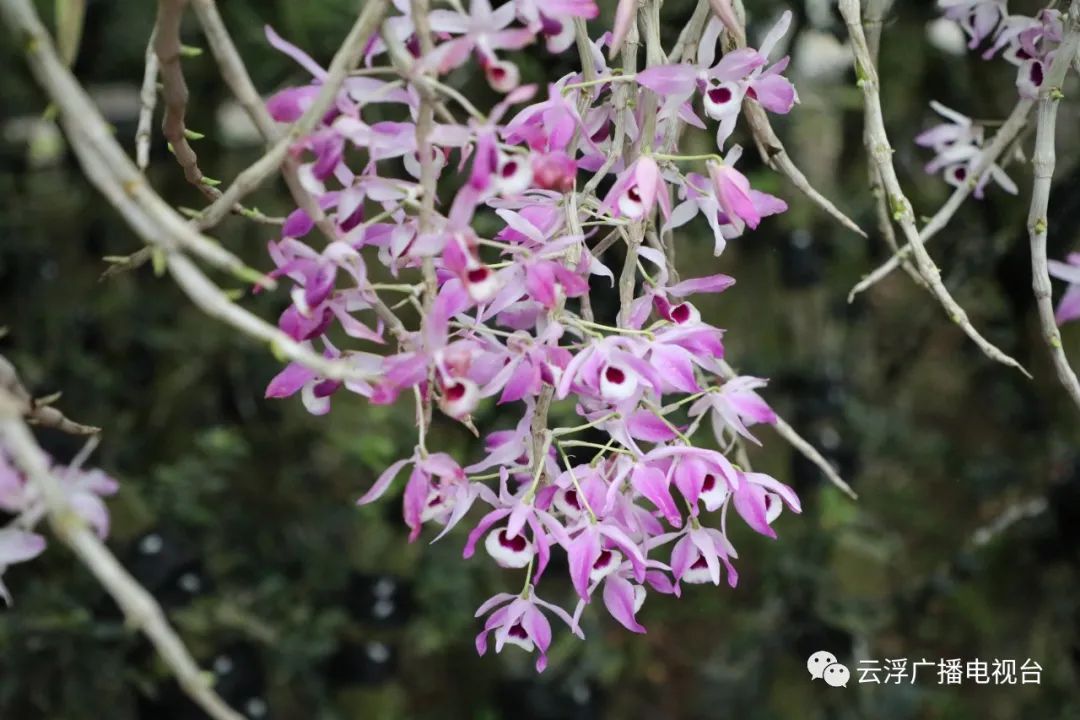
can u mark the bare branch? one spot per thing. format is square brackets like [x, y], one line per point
[174, 90]
[148, 101]
[232, 68]
[772, 149]
[873, 20]
[636, 233]
[690, 35]
[37, 411]
[1043, 163]
[74, 104]
[139, 607]
[881, 154]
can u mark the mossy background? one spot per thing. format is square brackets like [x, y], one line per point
[311, 608]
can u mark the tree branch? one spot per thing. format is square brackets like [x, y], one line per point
[772, 149]
[147, 101]
[1043, 163]
[174, 92]
[881, 154]
[139, 607]
[873, 20]
[37, 411]
[114, 175]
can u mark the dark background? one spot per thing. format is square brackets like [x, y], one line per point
[311, 608]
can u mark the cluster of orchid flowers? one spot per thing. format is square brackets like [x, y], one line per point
[23, 503]
[958, 145]
[1029, 43]
[508, 319]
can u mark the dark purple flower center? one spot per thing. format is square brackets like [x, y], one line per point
[720, 95]
[549, 26]
[454, 392]
[603, 561]
[326, 388]
[615, 375]
[634, 194]
[960, 173]
[509, 168]
[353, 220]
[477, 275]
[496, 72]
[680, 313]
[699, 564]
[708, 483]
[515, 544]
[1037, 74]
[518, 632]
[571, 499]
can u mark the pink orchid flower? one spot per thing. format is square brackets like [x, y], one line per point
[482, 31]
[736, 199]
[735, 406]
[637, 190]
[554, 19]
[519, 621]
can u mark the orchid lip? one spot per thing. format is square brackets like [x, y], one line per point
[515, 552]
[720, 95]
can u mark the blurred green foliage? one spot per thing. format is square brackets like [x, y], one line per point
[311, 608]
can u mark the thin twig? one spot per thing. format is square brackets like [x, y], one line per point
[873, 19]
[38, 411]
[690, 35]
[796, 441]
[140, 609]
[881, 154]
[772, 149]
[1043, 163]
[174, 92]
[148, 101]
